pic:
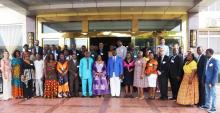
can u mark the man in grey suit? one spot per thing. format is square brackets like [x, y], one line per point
[73, 76]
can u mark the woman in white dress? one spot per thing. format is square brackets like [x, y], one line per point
[6, 75]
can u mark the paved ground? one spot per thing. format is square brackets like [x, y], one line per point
[96, 105]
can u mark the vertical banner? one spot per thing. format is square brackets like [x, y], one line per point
[193, 38]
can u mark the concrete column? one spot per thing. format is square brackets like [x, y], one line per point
[85, 26]
[30, 30]
[134, 25]
[185, 36]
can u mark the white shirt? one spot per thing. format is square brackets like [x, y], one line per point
[39, 66]
[74, 61]
[207, 64]
[68, 57]
[37, 49]
[55, 54]
[162, 57]
[121, 51]
[114, 60]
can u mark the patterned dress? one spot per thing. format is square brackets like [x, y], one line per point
[100, 84]
[63, 79]
[27, 79]
[188, 93]
[51, 84]
[17, 90]
[138, 71]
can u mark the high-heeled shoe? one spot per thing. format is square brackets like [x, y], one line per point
[142, 98]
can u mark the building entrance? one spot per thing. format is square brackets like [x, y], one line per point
[108, 41]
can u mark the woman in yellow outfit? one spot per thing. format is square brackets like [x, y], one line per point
[189, 92]
[62, 68]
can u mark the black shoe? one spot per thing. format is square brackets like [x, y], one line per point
[131, 96]
[203, 107]
[163, 98]
[212, 111]
[126, 96]
[172, 98]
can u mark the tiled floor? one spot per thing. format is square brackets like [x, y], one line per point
[96, 105]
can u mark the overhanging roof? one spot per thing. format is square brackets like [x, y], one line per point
[36, 7]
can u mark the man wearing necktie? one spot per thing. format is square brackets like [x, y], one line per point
[114, 72]
[55, 52]
[121, 50]
[73, 50]
[163, 71]
[201, 75]
[85, 73]
[175, 71]
[102, 51]
[73, 76]
[38, 49]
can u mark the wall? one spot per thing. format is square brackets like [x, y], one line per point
[9, 16]
[30, 24]
[13, 29]
[193, 24]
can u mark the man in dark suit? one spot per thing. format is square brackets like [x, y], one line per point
[163, 71]
[201, 75]
[101, 51]
[82, 52]
[175, 71]
[38, 49]
[73, 75]
[55, 52]
[73, 50]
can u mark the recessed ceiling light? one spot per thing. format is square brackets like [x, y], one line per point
[1, 5]
[106, 33]
[83, 33]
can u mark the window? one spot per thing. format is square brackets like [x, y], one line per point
[54, 27]
[51, 41]
[209, 39]
[160, 25]
[122, 25]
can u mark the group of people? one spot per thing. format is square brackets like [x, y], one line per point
[51, 72]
